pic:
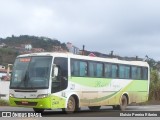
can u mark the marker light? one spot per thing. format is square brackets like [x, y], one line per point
[42, 95]
[11, 95]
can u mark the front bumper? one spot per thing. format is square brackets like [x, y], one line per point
[44, 103]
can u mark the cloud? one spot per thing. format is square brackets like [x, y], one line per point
[128, 27]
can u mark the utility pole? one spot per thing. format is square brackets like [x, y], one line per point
[83, 49]
[111, 54]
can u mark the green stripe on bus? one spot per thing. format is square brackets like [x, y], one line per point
[91, 82]
[137, 85]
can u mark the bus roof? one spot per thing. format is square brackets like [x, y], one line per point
[70, 55]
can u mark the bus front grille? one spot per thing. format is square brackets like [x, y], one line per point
[24, 103]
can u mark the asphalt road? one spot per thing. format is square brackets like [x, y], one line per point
[106, 111]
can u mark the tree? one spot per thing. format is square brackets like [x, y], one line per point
[152, 63]
[154, 85]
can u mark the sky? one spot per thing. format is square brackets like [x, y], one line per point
[127, 27]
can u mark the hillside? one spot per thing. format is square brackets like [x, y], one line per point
[37, 42]
[14, 46]
[7, 56]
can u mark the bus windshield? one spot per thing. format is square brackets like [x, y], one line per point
[31, 72]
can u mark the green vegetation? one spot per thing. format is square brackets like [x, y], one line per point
[4, 102]
[7, 56]
[154, 93]
[154, 85]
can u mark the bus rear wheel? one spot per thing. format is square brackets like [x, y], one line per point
[71, 106]
[94, 108]
[123, 103]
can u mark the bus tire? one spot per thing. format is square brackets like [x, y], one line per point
[94, 108]
[71, 106]
[38, 110]
[123, 103]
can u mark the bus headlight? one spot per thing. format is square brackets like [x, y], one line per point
[11, 95]
[42, 95]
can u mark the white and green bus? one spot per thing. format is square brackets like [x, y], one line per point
[62, 80]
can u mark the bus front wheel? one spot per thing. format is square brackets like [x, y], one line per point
[71, 106]
[38, 110]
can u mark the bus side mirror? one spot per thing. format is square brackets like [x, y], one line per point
[55, 71]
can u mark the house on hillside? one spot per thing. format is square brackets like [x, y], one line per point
[28, 46]
[57, 48]
[73, 49]
[2, 45]
[35, 50]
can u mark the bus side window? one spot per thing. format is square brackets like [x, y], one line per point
[136, 73]
[108, 70]
[99, 70]
[139, 73]
[79, 68]
[124, 72]
[145, 73]
[114, 71]
[83, 68]
[92, 69]
[75, 68]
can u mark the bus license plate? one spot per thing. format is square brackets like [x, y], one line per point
[24, 102]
